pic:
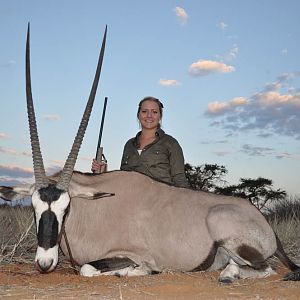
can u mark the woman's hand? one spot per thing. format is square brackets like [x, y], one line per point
[99, 167]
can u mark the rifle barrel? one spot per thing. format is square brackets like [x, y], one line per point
[101, 126]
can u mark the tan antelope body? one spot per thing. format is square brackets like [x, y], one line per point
[126, 223]
[163, 226]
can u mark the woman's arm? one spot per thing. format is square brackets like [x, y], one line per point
[124, 161]
[177, 165]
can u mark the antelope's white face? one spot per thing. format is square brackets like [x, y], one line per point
[50, 206]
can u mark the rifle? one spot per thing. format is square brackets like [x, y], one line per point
[99, 152]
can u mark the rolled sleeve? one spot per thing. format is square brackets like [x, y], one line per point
[177, 165]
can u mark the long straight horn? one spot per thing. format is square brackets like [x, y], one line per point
[38, 166]
[65, 177]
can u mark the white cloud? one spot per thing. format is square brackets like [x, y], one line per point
[222, 25]
[206, 67]
[52, 117]
[233, 53]
[181, 14]
[169, 82]
[273, 86]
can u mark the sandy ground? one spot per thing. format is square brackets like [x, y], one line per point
[22, 281]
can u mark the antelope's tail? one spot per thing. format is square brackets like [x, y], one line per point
[281, 255]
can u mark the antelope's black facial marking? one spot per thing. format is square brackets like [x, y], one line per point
[48, 230]
[50, 193]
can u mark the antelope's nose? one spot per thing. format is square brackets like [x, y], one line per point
[44, 266]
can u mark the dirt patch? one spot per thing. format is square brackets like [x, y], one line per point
[22, 281]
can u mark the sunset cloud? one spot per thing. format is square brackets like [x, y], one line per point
[267, 151]
[53, 169]
[181, 14]
[11, 151]
[220, 107]
[3, 136]
[275, 99]
[169, 82]
[256, 151]
[86, 158]
[272, 111]
[214, 142]
[206, 67]
[14, 171]
[288, 155]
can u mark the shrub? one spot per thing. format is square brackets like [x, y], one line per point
[284, 217]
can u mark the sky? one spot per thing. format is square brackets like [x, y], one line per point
[227, 72]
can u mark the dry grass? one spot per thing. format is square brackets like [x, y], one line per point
[17, 236]
[285, 220]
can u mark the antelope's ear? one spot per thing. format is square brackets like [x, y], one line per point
[13, 193]
[77, 189]
[95, 196]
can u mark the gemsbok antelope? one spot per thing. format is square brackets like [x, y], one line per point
[125, 223]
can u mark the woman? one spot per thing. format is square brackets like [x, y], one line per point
[152, 151]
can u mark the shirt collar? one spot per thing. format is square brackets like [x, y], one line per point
[159, 133]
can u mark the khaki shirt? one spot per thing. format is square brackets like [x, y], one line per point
[162, 159]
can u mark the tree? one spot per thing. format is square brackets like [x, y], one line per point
[205, 177]
[258, 191]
